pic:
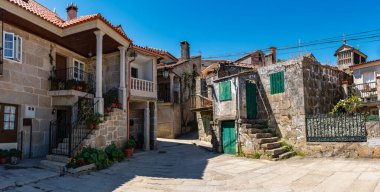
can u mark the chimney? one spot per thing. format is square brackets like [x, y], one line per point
[273, 51]
[72, 10]
[185, 50]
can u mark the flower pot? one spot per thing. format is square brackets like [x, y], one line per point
[128, 152]
[79, 88]
[114, 105]
[3, 160]
[14, 160]
[91, 126]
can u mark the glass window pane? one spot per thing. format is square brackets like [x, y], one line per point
[7, 109]
[12, 117]
[6, 117]
[6, 125]
[11, 125]
[13, 109]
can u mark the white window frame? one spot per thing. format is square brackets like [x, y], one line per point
[16, 48]
[77, 70]
[369, 73]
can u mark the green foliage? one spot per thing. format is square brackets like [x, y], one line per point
[188, 76]
[88, 156]
[130, 144]
[288, 146]
[15, 153]
[255, 155]
[114, 153]
[94, 118]
[301, 153]
[4, 153]
[110, 96]
[349, 105]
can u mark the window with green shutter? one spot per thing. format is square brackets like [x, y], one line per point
[225, 90]
[277, 84]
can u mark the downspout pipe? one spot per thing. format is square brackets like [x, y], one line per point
[237, 84]
[129, 91]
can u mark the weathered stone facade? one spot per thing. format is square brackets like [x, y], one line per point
[168, 124]
[112, 130]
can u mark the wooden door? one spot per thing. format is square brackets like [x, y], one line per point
[60, 62]
[8, 123]
[251, 100]
[229, 137]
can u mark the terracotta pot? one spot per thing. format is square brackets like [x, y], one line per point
[91, 126]
[128, 152]
[3, 160]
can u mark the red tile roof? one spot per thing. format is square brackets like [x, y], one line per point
[368, 62]
[33, 7]
[154, 51]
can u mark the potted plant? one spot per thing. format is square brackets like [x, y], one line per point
[79, 86]
[129, 147]
[94, 119]
[115, 102]
[4, 154]
[71, 84]
[15, 156]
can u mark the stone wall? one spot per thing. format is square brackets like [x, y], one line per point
[112, 130]
[26, 83]
[204, 133]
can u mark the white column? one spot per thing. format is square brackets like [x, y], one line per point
[155, 126]
[122, 89]
[171, 87]
[147, 127]
[99, 71]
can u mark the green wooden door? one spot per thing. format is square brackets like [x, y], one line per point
[251, 100]
[229, 137]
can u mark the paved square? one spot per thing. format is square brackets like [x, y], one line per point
[181, 166]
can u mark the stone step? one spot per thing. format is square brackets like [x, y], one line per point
[267, 140]
[253, 121]
[262, 130]
[287, 155]
[55, 166]
[276, 151]
[60, 151]
[249, 126]
[65, 145]
[273, 145]
[58, 158]
[261, 135]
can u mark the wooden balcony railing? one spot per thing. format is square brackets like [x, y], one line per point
[200, 103]
[367, 92]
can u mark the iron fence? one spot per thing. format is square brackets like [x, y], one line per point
[336, 128]
[367, 92]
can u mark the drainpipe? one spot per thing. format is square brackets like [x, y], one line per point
[129, 92]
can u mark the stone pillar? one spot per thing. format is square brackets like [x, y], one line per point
[147, 127]
[171, 87]
[378, 91]
[345, 89]
[99, 71]
[122, 89]
[155, 126]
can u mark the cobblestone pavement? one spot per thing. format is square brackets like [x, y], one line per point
[181, 166]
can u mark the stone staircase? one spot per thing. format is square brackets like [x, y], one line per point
[56, 163]
[265, 140]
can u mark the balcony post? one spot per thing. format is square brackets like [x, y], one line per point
[99, 71]
[171, 87]
[147, 127]
[378, 91]
[345, 89]
[122, 89]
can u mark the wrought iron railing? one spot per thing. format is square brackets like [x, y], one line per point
[65, 137]
[72, 78]
[336, 128]
[199, 101]
[367, 92]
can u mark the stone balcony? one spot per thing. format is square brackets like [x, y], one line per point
[143, 89]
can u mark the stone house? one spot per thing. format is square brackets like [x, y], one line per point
[347, 56]
[176, 83]
[254, 109]
[55, 69]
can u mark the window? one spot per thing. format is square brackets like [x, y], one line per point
[368, 77]
[8, 123]
[225, 90]
[12, 46]
[134, 72]
[277, 84]
[9, 119]
[78, 70]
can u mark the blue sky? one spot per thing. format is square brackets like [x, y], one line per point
[223, 27]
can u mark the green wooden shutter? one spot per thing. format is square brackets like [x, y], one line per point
[277, 83]
[225, 90]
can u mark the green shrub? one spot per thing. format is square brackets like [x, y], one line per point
[349, 105]
[288, 146]
[4, 153]
[15, 153]
[88, 156]
[114, 153]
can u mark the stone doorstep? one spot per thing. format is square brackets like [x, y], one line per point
[58, 158]
[287, 155]
[53, 166]
[261, 135]
[267, 140]
[277, 151]
[247, 126]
